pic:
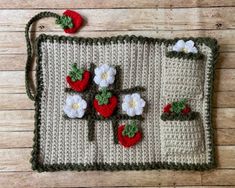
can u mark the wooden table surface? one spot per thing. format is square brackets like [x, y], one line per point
[156, 18]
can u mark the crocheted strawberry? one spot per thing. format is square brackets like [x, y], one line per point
[167, 108]
[186, 110]
[71, 21]
[78, 79]
[129, 135]
[104, 103]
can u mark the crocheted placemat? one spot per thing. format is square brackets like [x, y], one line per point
[170, 130]
[120, 103]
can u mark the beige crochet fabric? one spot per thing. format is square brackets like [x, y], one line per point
[64, 141]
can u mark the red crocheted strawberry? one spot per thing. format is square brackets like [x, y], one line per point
[104, 103]
[167, 108]
[186, 110]
[71, 21]
[129, 135]
[78, 79]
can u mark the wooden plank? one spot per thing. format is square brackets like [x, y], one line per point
[224, 99]
[224, 80]
[16, 139]
[14, 81]
[226, 156]
[17, 61]
[21, 101]
[15, 102]
[15, 159]
[225, 137]
[224, 118]
[23, 120]
[14, 42]
[218, 177]
[12, 62]
[129, 19]
[106, 179]
[226, 61]
[79, 4]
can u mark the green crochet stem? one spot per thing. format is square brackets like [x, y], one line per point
[29, 60]
[103, 97]
[76, 74]
[130, 129]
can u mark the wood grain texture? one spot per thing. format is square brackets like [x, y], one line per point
[114, 4]
[129, 19]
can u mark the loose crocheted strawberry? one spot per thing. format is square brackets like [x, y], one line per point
[186, 110]
[167, 108]
[78, 79]
[129, 135]
[71, 21]
[104, 103]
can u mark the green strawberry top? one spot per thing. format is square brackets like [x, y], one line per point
[130, 130]
[76, 74]
[103, 96]
[178, 106]
[65, 22]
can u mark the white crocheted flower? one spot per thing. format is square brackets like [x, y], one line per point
[104, 75]
[187, 47]
[133, 104]
[75, 106]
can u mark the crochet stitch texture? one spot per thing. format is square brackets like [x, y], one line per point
[63, 143]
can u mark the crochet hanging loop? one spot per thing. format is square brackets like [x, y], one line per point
[29, 61]
[71, 21]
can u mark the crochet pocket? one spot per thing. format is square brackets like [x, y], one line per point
[182, 78]
[182, 137]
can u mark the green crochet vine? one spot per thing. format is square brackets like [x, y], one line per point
[36, 160]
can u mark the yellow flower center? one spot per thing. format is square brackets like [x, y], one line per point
[185, 50]
[132, 104]
[75, 106]
[104, 75]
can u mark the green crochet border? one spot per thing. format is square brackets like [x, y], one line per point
[35, 160]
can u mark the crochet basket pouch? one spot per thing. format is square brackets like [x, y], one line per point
[120, 103]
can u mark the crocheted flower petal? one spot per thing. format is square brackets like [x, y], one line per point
[127, 98]
[194, 50]
[138, 111]
[112, 71]
[179, 46]
[83, 104]
[189, 44]
[103, 83]
[142, 103]
[97, 79]
[130, 112]
[69, 100]
[136, 96]
[69, 111]
[104, 68]
[98, 71]
[125, 106]
[77, 98]
[80, 113]
[110, 79]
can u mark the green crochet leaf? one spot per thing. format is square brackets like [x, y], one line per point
[76, 74]
[178, 106]
[65, 22]
[103, 96]
[130, 130]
